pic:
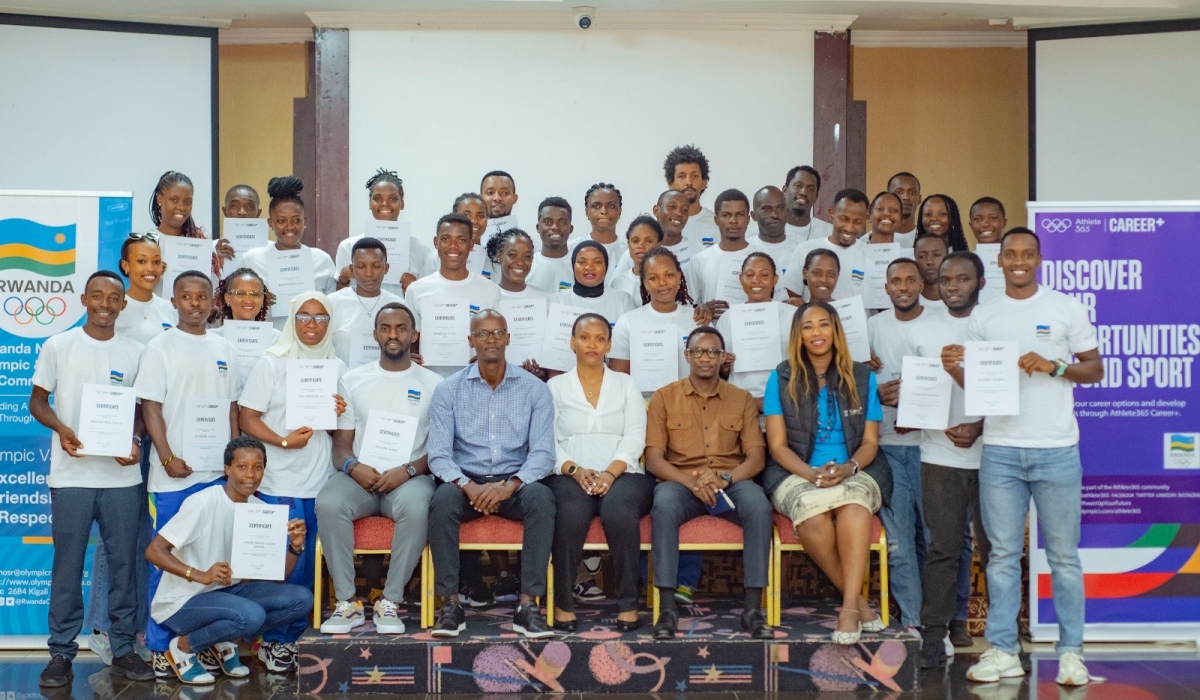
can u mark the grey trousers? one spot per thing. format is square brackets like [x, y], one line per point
[74, 510]
[675, 504]
[342, 501]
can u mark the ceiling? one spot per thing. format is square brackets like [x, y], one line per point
[893, 15]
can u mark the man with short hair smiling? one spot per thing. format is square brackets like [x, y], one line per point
[686, 170]
[712, 452]
[849, 215]
[707, 268]
[800, 189]
[499, 192]
[671, 212]
[772, 235]
[907, 187]
[988, 220]
[354, 307]
[551, 269]
[929, 251]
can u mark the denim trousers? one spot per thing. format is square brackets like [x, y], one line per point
[907, 538]
[242, 611]
[1053, 477]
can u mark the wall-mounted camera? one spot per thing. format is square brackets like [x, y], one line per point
[584, 16]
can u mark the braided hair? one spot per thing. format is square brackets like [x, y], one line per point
[222, 310]
[764, 256]
[497, 243]
[170, 179]
[603, 186]
[382, 176]
[956, 238]
[681, 294]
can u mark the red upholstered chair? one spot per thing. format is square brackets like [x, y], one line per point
[786, 541]
[372, 535]
[489, 533]
[709, 533]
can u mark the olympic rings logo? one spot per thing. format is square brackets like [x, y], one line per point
[1056, 225]
[35, 309]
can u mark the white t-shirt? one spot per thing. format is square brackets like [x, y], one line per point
[612, 304]
[325, 275]
[1055, 326]
[705, 273]
[297, 473]
[932, 303]
[756, 382]
[202, 535]
[933, 330]
[817, 229]
[614, 249]
[475, 289]
[550, 274]
[525, 294]
[849, 279]
[702, 228]
[67, 362]
[647, 317]
[408, 393]
[422, 260]
[353, 316]
[889, 339]
[685, 250]
[142, 320]
[625, 281]
[177, 369]
[780, 252]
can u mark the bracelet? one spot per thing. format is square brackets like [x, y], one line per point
[293, 551]
[608, 473]
[346, 465]
[188, 574]
[854, 463]
[168, 460]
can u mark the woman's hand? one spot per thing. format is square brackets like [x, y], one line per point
[220, 574]
[224, 249]
[298, 438]
[531, 366]
[703, 315]
[406, 279]
[178, 469]
[296, 533]
[339, 404]
[602, 482]
[833, 474]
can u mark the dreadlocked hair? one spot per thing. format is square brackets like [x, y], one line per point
[956, 238]
[839, 376]
[170, 179]
[382, 176]
[603, 186]
[221, 309]
[497, 243]
[681, 294]
[285, 189]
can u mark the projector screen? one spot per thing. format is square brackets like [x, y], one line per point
[561, 110]
[108, 107]
[1113, 113]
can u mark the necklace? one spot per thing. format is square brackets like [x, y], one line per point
[370, 311]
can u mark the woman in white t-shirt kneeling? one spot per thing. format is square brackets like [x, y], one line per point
[198, 599]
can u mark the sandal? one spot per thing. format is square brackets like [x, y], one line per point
[847, 638]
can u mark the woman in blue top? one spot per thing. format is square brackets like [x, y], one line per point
[826, 472]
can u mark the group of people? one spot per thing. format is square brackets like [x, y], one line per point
[602, 434]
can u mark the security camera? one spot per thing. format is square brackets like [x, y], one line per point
[583, 16]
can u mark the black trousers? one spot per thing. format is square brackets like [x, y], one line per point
[532, 504]
[620, 511]
[950, 495]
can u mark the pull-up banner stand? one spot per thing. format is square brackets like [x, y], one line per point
[1133, 264]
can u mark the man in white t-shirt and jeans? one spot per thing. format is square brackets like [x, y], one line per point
[87, 488]
[395, 385]
[1034, 454]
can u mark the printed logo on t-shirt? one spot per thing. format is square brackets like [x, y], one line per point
[486, 273]
[166, 326]
[116, 377]
[857, 276]
[474, 309]
[1179, 451]
[222, 366]
[563, 284]
[707, 241]
[414, 396]
[1043, 331]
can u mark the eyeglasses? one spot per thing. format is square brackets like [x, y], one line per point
[713, 353]
[151, 236]
[482, 335]
[305, 319]
[240, 294]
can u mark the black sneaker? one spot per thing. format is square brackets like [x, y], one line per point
[57, 673]
[529, 621]
[507, 587]
[451, 620]
[132, 667]
[277, 656]
[475, 594]
[755, 624]
[959, 636]
[933, 652]
[161, 665]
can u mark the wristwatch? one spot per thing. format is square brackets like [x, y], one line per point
[283, 443]
[293, 551]
[462, 483]
[728, 478]
[1060, 368]
[854, 463]
[412, 471]
[572, 469]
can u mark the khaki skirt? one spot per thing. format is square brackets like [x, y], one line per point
[800, 499]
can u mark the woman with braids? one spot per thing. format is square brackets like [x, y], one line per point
[171, 212]
[826, 472]
[511, 255]
[242, 296]
[820, 272]
[474, 208]
[643, 234]
[758, 279]
[939, 215]
[666, 302]
[286, 216]
[602, 204]
[386, 199]
[589, 260]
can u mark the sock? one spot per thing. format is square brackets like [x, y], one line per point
[666, 599]
[753, 599]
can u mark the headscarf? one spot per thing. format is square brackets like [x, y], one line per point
[289, 345]
[583, 290]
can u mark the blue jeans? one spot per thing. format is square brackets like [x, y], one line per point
[1008, 477]
[242, 611]
[302, 574]
[97, 612]
[903, 519]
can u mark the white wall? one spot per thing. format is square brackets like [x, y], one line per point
[105, 111]
[563, 110]
[1117, 117]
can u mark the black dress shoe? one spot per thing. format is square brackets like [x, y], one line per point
[755, 624]
[629, 625]
[933, 653]
[529, 621]
[667, 625]
[566, 625]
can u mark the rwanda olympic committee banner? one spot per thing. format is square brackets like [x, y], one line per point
[50, 242]
[1134, 266]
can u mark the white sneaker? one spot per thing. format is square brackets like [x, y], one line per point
[994, 665]
[949, 648]
[100, 646]
[346, 616]
[1071, 670]
[387, 617]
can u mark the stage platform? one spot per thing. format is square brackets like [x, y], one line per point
[710, 654]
